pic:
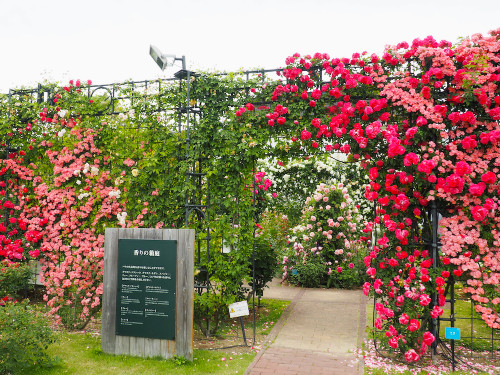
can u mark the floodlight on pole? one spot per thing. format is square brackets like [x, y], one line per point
[165, 60]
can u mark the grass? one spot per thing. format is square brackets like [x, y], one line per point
[474, 332]
[270, 311]
[80, 353]
[230, 333]
[481, 341]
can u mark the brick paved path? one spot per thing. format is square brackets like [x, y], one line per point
[317, 335]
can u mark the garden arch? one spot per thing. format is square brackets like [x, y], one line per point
[426, 87]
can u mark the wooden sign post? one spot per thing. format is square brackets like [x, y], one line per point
[148, 292]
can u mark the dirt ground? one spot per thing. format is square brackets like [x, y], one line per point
[231, 337]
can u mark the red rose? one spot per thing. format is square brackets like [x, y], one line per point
[489, 178]
[462, 168]
[305, 135]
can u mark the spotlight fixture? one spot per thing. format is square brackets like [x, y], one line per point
[165, 60]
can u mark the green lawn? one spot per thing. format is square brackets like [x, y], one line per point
[81, 353]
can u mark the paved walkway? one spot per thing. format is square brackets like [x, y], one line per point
[317, 334]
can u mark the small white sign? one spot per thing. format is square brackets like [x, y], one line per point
[238, 309]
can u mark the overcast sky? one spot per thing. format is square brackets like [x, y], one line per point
[108, 40]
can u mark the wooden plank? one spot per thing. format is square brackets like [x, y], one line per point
[122, 345]
[137, 346]
[185, 294]
[136, 343]
[122, 342]
[110, 282]
[168, 347]
[152, 347]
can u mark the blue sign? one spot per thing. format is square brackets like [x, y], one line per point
[294, 271]
[452, 333]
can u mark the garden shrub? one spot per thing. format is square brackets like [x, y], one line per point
[270, 245]
[14, 278]
[311, 274]
[210, 307]
[24, 338]
[265, 267]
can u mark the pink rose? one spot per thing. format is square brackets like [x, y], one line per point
[454, 184]
[414, 325]
[428, 338]
[479, 213]
[404, 319]
[462, 168]
[411, 356]
[436, 311]
[477, 189]
[421, 121]
[393, 342]
[373, 173]
[424, 300]
[426, 166]
[469, 142]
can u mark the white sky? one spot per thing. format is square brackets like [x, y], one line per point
[108, 40]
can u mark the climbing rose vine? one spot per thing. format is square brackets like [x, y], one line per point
[423, 122]
[20, 235]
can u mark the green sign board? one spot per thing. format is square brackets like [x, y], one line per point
[145, 302]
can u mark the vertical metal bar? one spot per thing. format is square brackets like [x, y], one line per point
[471, 325]
[159, 96]
[243, 330]
[253, 248]
[38, 96]
[452, 316]
[7, 148]
[113, 99]
[435, 257]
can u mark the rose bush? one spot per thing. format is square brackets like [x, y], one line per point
[326, 241]
[89, 161]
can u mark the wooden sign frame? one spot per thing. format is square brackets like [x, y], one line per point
[182, 345]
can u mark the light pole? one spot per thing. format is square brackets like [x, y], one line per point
[164, 61]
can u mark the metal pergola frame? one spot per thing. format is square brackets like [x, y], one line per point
[193, 203]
